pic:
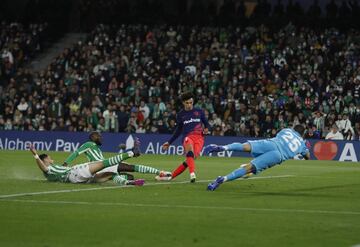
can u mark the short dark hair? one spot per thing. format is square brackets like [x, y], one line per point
[300, 129]
[93, 134]
[43, 156]
[186, 96]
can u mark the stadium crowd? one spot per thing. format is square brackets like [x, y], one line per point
[18, 45]
[251, 81]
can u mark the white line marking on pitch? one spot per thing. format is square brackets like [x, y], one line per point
[117, 187]
[273, 210]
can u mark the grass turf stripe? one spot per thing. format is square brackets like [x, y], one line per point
[117, 187]
[272, 210]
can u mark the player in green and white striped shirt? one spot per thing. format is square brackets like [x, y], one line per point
[91, 149]
[84, 173]
[93, 153]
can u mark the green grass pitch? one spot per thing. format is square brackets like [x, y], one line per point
[299, 203]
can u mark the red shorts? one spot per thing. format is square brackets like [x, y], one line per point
[197, 142]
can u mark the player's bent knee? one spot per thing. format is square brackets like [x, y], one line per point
[190, 154]
[123, 167]
[185, 164]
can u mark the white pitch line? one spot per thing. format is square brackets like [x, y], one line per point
[117, 187]
[272, 210]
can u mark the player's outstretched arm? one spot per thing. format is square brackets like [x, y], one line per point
[76, 153]
[175, 135]
[236, 146]
[39, 162]
[306, 153]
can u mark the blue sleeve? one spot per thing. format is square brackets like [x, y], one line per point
[177, 130]
[304, 148]
[204, 120]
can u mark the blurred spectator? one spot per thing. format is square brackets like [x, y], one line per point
[123, 118]
[110, 118]
[312, 133]
[319, 120]
[334, 134]
[344, 125]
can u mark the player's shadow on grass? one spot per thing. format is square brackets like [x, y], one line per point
[305, 191]
[328, 187]
[288, 194]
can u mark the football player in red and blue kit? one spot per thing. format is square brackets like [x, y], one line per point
[193, 125]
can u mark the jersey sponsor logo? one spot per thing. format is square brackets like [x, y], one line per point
[192, 120]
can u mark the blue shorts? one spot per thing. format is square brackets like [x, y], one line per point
[266, 154]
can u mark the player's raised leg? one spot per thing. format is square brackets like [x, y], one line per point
[241, 147]
[257, 165]
[190, 156]
[115, 160]
[168, 176]
[124, 167]
[245, 169]
[190, 152]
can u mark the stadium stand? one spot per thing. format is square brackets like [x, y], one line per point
[19, 44]
[252, 79]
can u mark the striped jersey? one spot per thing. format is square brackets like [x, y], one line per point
[90, 149]
[57, 173]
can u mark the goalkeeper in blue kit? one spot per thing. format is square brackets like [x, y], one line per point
[287, 144]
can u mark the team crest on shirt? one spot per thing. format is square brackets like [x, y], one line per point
[196, 113]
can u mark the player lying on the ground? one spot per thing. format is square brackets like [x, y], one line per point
[190, 123]
[87, 172]
[93, 152]
[287, 144]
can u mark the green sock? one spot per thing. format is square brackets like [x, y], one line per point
[117, 159]
[146, 169]
[120, 179]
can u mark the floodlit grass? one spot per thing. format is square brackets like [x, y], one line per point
[300, 203]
